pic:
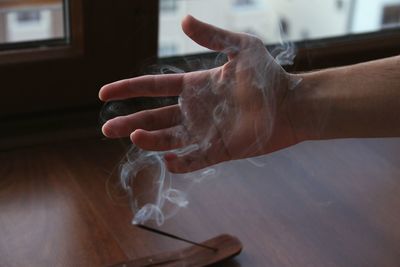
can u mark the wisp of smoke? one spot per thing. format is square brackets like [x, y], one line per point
[208, 112]
[150, 188]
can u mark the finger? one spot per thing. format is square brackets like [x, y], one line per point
[149, 120]
[144, 86]
[161, 140]
[210, 36]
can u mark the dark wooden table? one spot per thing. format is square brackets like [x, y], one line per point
[334, 203]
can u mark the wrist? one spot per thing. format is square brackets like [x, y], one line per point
[304, 106]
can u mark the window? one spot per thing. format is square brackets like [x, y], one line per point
[305, 35]
[168, 6]
[168, 49]
[30, 26]
[39, 30]
[340, 4]
[107, 41]
[285, 27]
[32, 16]
[302, 20]
[391, 16]
[244, 2]
[27, 21]
[52, 84]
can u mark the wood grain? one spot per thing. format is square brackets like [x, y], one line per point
[331, 203]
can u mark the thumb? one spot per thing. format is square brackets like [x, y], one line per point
[211, 37]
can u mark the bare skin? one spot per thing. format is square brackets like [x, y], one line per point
[233, 112]
[358, 101]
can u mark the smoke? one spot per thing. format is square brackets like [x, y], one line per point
[150, 187]
[228, 112]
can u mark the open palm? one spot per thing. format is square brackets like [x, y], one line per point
[234, 111]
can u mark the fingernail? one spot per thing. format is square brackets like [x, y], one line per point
[132, 136]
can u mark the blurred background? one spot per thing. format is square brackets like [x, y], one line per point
[271, 20]
[294, 20]
[325, 203]
[29, 20]
[55, 55]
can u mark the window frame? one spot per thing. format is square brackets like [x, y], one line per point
[390, 8]
[69, 46]
[57, 92]
[346, 50]
[322, 53]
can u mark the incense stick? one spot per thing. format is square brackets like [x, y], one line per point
[174, 237]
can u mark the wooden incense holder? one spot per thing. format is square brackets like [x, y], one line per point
[226, 247]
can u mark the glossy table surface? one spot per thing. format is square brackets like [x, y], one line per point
[331, 203]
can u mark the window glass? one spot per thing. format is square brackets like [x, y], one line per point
[28, 21]
[271, 20]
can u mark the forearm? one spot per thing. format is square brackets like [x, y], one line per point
[356, 101]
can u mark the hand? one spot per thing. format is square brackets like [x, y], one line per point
[235, 111]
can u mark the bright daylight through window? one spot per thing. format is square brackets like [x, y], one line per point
[26, 21]
[269, 19]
